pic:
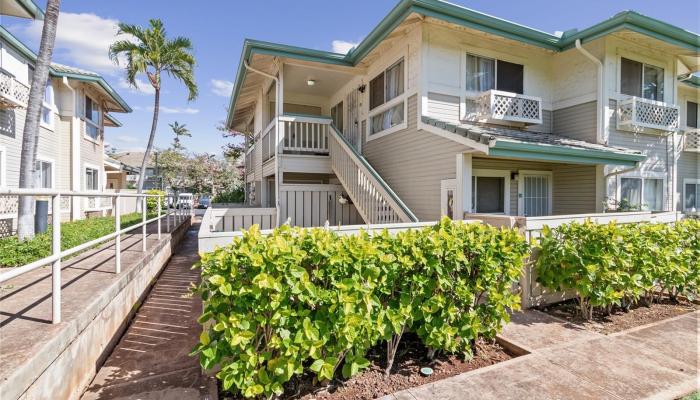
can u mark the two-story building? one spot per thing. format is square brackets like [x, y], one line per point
[442, 110]
[75, 112]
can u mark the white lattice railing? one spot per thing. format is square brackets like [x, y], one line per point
[372, 197]
[636, 113]
[692, 140]
[13, 94]
[496, 105]
[305, 134]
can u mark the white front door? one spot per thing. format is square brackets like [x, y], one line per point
[448, 189]
[534, 193]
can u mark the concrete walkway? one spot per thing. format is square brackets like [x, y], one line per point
[151, 361]
[657, 361]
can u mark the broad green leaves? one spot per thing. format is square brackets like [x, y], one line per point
[619, 264]
[304, 300]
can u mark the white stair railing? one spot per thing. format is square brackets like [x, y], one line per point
[372, 197]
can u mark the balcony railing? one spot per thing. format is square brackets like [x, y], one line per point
[269, 141]
[499, 106]
[305, 135]
[13, 93]
[637, 113]
[692, 140]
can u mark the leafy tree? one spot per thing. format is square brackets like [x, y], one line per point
[30, 134]
[154, 54]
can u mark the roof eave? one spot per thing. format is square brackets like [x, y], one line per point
[547, 152]
[101, 82]
[32, 9]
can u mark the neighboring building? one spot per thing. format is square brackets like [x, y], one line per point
[133, 160]
[76, 110]
[445, 110]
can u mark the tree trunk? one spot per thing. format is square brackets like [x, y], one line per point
[30, 135]
[154, 124]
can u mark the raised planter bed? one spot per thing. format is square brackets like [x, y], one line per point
[620, 320]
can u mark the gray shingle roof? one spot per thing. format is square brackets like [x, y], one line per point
[72, 70]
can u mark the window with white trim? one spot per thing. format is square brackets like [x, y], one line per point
[47, 105]
[92, 118]
[44, 174]
[691, 195]
[386, 97]
[691, 114]
[641, 80]
[644, 193]
[489, 73]
[490, 191]
[92, 179]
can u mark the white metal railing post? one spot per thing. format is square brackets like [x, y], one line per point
[118, 239]
[167, 213]
[159, 198]
[143, 228]
[56, 266]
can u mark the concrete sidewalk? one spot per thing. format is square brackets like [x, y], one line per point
[151, 360]
[657, 361]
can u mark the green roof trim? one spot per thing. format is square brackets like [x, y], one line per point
[546, 152]
[692, 80]
[31, 8]
[63, 71]
[463, 16]
[112, 119]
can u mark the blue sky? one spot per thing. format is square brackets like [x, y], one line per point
[217, 30]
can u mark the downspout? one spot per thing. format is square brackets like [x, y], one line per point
[600, 135]
[75, 151]
[277, 134]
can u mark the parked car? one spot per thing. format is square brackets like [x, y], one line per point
[185, 200]
[204, 202]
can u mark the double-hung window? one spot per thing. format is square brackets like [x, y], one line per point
[44, 171]
[641, 80]
[92, 118]
[691, 195]
[488, 73]
[386, 98]
[643, 193]
[92, 179]
[47, 105]
[337, 116]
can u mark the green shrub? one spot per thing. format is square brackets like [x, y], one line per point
[152, 202]
[232, 196]
[617, 265]
[311, 300]
[15, 253]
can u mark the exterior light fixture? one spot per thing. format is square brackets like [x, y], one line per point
[344, 199]
[310, 82]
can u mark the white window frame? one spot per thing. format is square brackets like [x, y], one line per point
[684, 113]
[50, 105]
[391, 103]
[493, 173]
[690, 181]
[3, 166]
[644, 175]
[53, 169]
[90, 122]
[521, 189]
[630, 56]
[87, 166]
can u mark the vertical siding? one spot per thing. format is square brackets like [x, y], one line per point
[576, 122]
[413, 163]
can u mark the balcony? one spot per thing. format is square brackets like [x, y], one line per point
[13, 94]
[692, 140]
[496, 106]
[637, 114]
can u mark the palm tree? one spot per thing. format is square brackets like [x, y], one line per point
[30, 135]
[153, 54]
[180, 130]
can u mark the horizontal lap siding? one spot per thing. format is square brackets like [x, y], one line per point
[574, 189]
[576, 122]
[413, 163]
[688, 168]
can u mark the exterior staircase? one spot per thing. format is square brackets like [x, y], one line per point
[371, 195]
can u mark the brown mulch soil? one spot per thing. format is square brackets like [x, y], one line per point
[619, 319]
[410, 358]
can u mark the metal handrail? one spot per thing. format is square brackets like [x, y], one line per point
[178, 213]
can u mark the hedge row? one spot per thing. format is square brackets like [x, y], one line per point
[303, 300]
[619, 265]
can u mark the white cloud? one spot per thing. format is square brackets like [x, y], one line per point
[82, 40]
[342, 47]
[142, 86]
[176, 110]
[221, 87]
